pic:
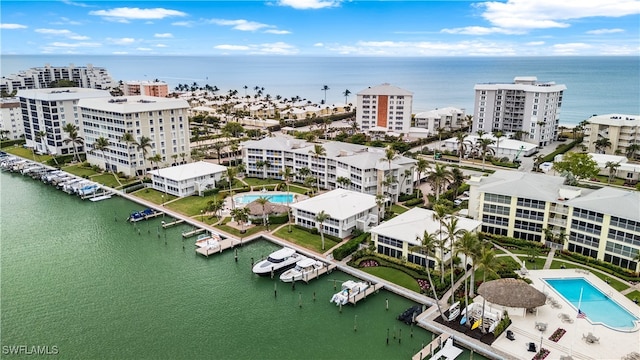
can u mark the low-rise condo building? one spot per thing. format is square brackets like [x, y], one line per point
[397, 236]
[147, 88]
[502, 147]
[384, 108]
[622, 168]
[603, 224]
[525, 105]
[187, 179]
[621, 131]
[333, 165]
[11, 122]
[447, 119]
[41, 77]
[46, 112]
[163, 121]
[347, 210]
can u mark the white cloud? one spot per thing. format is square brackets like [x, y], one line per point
[570, 48]
[66, 21]
[232, 47]
[121, 41]
[241, 24]
[604, 31]
[161, 45]
[143, 49]
[62, 32]
[540, 14]
[163, 35]
[12, 26]
[137, 13]
[279, 48]
[183, 23]
[120, 53]
[309, 4]
[74, 45]
[535, 43]
[424, 48]
[318, 44]
[75, 3]
[480, 30]
[277, 32]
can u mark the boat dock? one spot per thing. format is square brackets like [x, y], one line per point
[325, 269]
[434, 345]
[170, 224]
[224, 245]
[191, 233]
[363, 295]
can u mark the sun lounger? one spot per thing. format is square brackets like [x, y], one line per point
[590, 338]
[565, 318]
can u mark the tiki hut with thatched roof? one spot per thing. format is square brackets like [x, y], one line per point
[256, 211]
[512, 293]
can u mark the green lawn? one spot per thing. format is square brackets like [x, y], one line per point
[393, 275]
[398, 209]
[298, 189]
[305, 239]
[26, 153]
[79, 171]
[616, 284]
[190, 205]
[109, 179]
[235, 232]
[154, 196]
[259, 182]
[535, 265]
[635, 294]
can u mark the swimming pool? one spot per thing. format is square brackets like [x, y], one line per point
[598, 307]
[274, 198]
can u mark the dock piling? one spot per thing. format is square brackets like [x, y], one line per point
[275, 289]
[387, 336]
[355, 323]
[386, 301]
[300, 299]
[236, 254]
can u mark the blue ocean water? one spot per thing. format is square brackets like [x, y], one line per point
[595, 85]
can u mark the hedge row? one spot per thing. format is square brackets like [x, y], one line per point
[622, 273]
[561, 150]
[350, 246]
[8, 143]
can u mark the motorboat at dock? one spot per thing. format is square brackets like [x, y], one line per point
[350, 289]
[277, 261]
[305, 267]
[209, 241]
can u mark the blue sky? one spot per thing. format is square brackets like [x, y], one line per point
[322, 27]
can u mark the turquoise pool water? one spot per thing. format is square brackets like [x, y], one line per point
[598, 307]
[274, 198]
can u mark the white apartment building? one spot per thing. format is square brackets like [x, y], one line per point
[603, 224]
[395, 237]
[49, 110]
[524, 105]
[347, 211]
[187, 179]
[364, 167]
[448, 119]
[11, 119]
[40, 77]
[163, 120]
[384, 108]
[621, 130]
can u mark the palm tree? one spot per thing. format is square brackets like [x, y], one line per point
[263, 202]
[483, 144]
[230, 175]
[467, 244]
[632, 149]
[343, 181]
[439, 214]
[438, 178]
[453, 233]
[144, 144]
[379, 203]
[346, 94]
[498, 135]
[325, 88]
[287, 174]
[128, 139]
[303, 173]
[480, 133]
[487, 262]
[421, 166]
[241, 215]
[462, 144]
[215, 206]
[183, 155]
[613, 168]
[427, 247]
[537, 161]
[602, 143]
[321, 217]
[318, 150]
[155, 159]
[73, 138]
[102, 144]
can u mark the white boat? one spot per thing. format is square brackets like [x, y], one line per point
[447, 352]
[349, 290]
[208, 241]
[277, 261]
[304, 268]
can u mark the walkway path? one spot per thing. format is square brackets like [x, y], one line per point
[550, 256]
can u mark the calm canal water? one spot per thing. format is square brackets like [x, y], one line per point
[77, 277]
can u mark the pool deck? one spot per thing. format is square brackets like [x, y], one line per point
[612, 344]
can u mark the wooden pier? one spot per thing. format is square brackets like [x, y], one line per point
[429, 349]
[325, 269]
[363, 295]
[193, 232]
[224, 245]
[170, 224]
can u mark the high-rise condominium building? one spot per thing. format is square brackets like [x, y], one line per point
[147, 88]
[621, 131]
[385, 108]
[526, 106]
[41, 77]
[46, 112]
[163, 121]
[11, 119]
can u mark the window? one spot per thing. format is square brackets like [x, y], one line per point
[504, 199]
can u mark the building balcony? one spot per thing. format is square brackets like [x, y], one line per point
[559, 209]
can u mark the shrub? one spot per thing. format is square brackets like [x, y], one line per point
[414, 202]
[350, 246]
[278, 219]
[210, 192]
